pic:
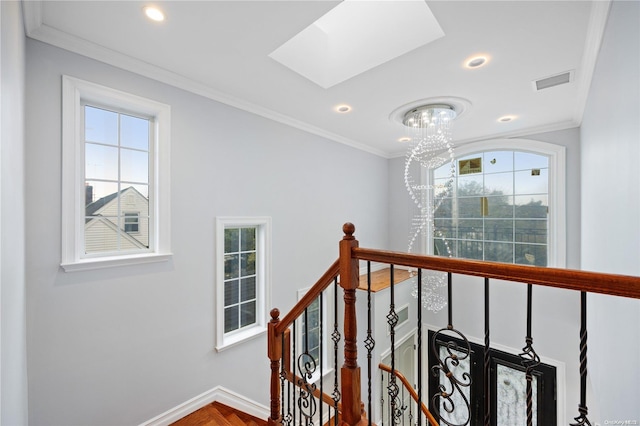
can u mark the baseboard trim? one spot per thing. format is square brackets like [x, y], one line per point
[220, 394]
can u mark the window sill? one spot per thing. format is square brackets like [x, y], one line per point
[231, 341]
[114, 261]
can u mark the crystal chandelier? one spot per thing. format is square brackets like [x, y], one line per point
[430, 147]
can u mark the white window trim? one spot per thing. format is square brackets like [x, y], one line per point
[326, 313]
[557, 255]
[73, 192]
[263, 283]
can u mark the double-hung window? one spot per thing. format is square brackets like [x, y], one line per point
[242, 278]
[115, 195]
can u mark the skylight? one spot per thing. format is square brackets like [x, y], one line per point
[357, 36]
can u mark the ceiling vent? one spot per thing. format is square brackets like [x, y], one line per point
[554, 80]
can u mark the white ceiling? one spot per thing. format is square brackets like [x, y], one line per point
[220, 49]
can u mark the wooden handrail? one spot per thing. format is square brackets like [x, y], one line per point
[325, 280]
[612, 284]
[412, 392]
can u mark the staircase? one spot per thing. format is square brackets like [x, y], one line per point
[217, 414]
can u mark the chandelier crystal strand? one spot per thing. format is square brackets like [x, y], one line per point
[430, 147]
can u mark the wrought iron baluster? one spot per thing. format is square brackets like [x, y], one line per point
[369, 342]
[447, 366]
[291, 390]
[306, 366]
[529, 357]
[382, 396]
[583, 411]
[293, 368]
[283, 377]
[392, 388]
[487, 358]
[320, 356]
[335, 337]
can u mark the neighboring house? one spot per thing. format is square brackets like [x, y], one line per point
[117, 223]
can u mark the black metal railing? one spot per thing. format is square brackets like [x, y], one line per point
[309, 388]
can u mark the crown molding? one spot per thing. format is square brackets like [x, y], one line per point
[37, 30]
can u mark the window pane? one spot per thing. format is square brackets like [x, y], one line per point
[101, 162]
[444, 247]
[498, 252]
[134, 166]
[526, 160]
[498, 230]
[444, 171]
[498, 184]
[443, 187]
[444, 228]
[231, 240]
[100, 125]
[143, 190]
[469, 249]
[231, 319]
[248, 264]
[97, 192]
[443, 208]
[531, 231]
[313, 338]
[470, 229]
[527, 254]
[231, 293]
[499, 207]
[231, 269]
[248, 239]
[469, 207]
[100, 235]
[534, 181]
[511, 396]
[470, 185]
[248, 313]
[248, 289]
[134, 132]
[498, 161]
[528, 206]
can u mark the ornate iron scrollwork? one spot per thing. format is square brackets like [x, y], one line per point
[307, 402]
[455, 354]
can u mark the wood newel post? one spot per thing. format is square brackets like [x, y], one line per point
[350, 372]
[274, 351]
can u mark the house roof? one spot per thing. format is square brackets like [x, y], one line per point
[91, 209]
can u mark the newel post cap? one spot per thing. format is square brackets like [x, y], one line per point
[348, 229]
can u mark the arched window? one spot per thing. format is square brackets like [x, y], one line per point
[501, 200]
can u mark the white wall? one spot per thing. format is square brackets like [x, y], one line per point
[13, 357]
[121, 346]
[610, 137]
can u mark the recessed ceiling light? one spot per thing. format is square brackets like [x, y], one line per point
[476, 61]
[507, 118]
[404, 139]
[154, 13]
[343, 109]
